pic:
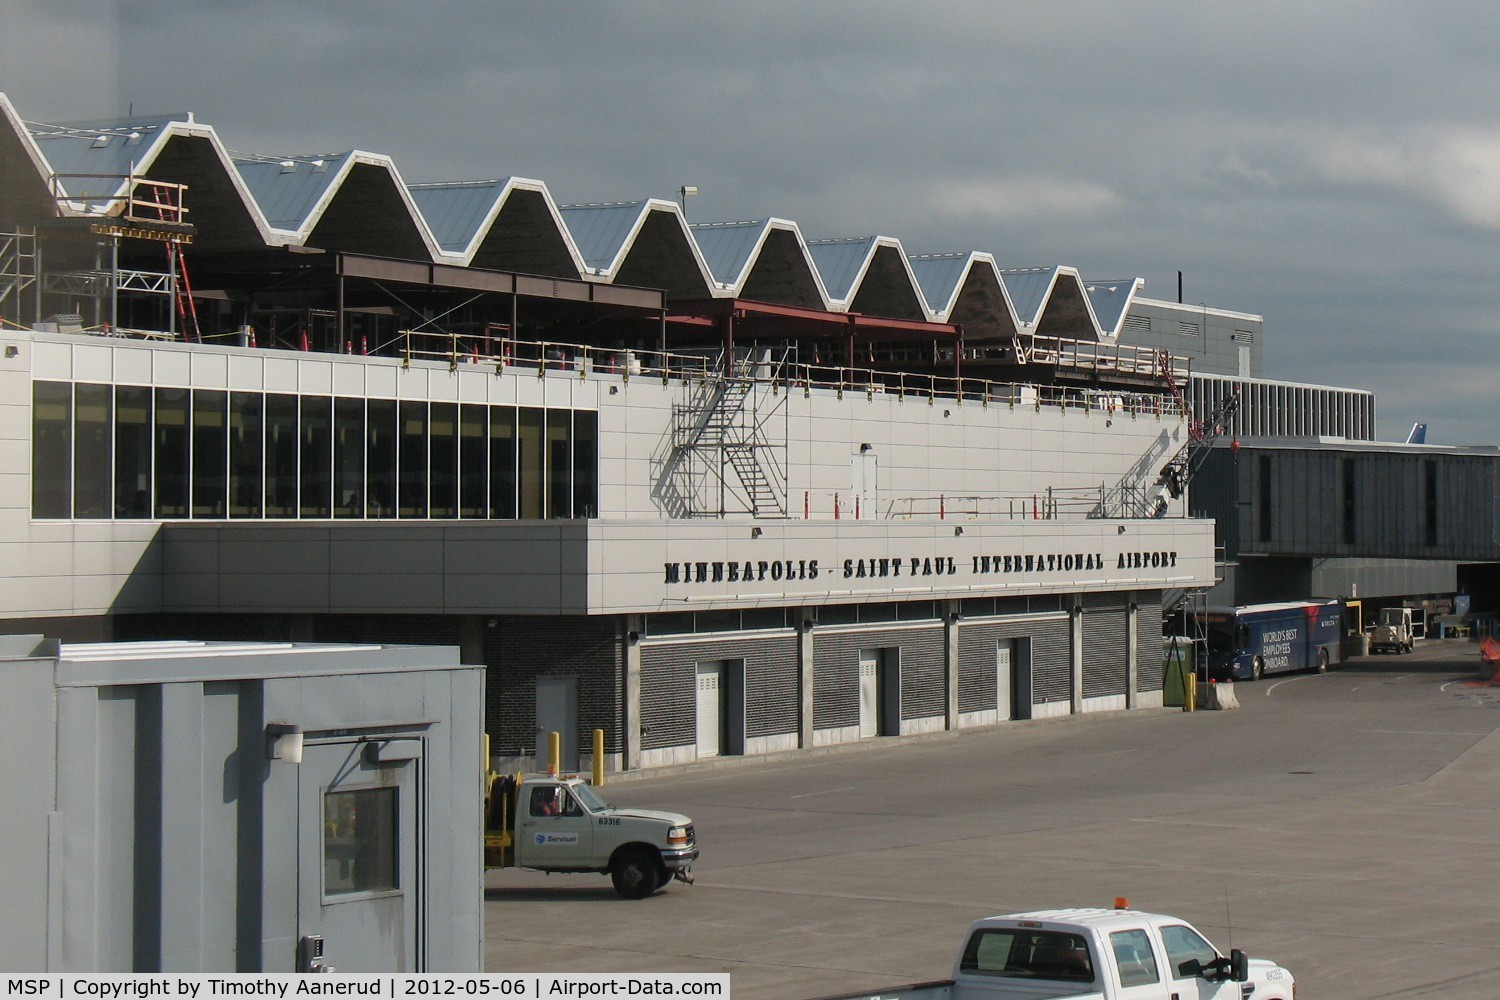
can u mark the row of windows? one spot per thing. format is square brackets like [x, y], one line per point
[681, 622]
[104, 451]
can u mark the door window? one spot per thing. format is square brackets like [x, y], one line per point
[1134, 958]
[1187, 952]
[553, 800]
[359, 841]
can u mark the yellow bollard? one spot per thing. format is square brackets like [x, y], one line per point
[598, 758]
[554, 752]
[1191, 704]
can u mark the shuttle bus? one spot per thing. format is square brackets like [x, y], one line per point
[1248, 642]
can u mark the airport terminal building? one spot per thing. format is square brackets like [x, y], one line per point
[713, 489]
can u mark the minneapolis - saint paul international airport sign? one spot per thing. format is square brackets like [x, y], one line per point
[915, 573]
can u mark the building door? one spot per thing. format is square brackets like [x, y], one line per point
[557, 712]
[865, 481]
[357, 861]
[1020, 696]
[890, 692]
[1004, 680]
[710, 709]
[869, 693]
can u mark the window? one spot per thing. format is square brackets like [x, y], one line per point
[348, 458]
[281, 456]
[171, 453]
[380, 457]
[547, 800]
[210, 453]
[1134, 958]
[316, 460]
[1350, 512]
[1263, 509]
[93, 450]
[443, 448]
[531, 464]
[247, 453]
[359, 841]
[1187, 953]
[102, 451]
[1022, 953]
[559, 470]
[1430, 502]
[502, 449]
[472, 447]
[132, 451]
[51, 449]
[585, 463]
[413, 460]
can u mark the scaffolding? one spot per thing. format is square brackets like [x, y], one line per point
[18, 277]
[141, 210]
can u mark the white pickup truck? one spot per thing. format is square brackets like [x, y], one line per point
[558, 823]
[1095, 954]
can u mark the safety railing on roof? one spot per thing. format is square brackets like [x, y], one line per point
[141, 200]
[1122, 359]
[1051, 504]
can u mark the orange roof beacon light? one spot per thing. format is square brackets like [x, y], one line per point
[1121, 903]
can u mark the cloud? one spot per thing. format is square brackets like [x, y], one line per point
[1015, 199]
[1454, 170]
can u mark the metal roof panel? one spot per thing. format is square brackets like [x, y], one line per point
[457, 212]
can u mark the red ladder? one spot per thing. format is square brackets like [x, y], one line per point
[182, 286]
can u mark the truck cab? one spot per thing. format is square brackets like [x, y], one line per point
[559, 823]
[1096, 954]
[1395, 632]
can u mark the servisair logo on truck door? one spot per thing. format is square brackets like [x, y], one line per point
[556, 839]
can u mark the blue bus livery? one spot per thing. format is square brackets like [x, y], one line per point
[1247, 642]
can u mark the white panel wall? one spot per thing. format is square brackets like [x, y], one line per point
[924, 450]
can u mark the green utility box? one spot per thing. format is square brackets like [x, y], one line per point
[1177, 687]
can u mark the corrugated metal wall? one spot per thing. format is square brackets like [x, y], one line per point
[1106, 643]
[977, 642]
[836, 672]
[1327, 502]
[1148, 633]
[669, 687]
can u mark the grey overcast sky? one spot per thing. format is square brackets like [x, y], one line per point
[1333, 166]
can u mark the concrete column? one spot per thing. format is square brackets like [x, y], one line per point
[632, 707]
[950, 661]
[1132, 659]
[1075, 624]
[805, 675]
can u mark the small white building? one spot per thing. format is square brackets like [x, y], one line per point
[197, 807]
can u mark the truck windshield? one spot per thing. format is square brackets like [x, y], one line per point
[1028, 954]
[591, 802]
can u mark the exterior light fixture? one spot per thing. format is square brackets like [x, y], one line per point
[284, 742]
[684, 193]
[958, 530]
[757, 531]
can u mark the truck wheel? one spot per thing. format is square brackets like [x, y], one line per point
[1257, 671]
[666, 876]
[636, 874]
[1322, 661]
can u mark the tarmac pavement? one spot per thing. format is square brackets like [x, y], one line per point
[1342, 824]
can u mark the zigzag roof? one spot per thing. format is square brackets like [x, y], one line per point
[357, 201]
